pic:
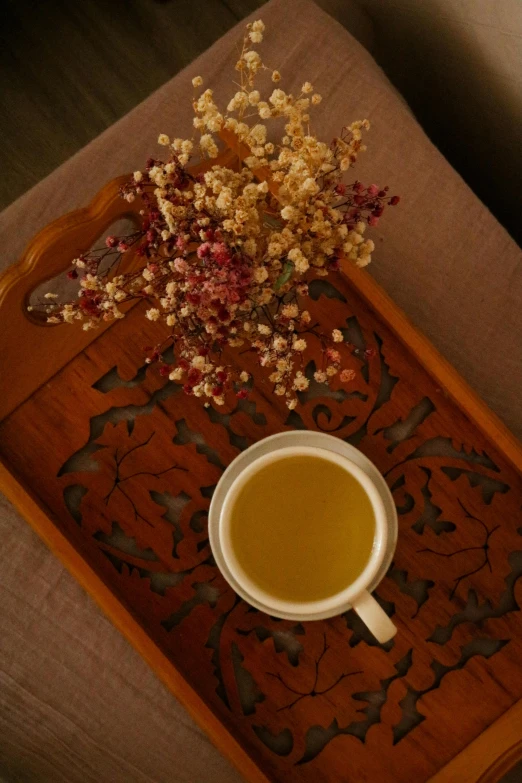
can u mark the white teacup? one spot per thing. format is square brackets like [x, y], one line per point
[355, 594]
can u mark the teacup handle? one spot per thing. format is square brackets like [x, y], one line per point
[374, 616]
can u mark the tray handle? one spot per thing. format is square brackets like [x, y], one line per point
[32, 351]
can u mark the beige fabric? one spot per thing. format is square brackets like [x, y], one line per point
[76, 703]
[459, 64]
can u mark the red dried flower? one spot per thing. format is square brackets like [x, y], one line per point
[89, 306]
[333, 355]
[203, 250]
[347, 375]
[221, 253]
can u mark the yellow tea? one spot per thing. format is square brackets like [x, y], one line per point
[302, 528]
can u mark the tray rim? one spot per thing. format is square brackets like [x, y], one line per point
[40, 519]
[492, 753]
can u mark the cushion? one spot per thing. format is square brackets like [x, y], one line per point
[77, 703]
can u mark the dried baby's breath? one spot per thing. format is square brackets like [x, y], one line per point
[226, 257]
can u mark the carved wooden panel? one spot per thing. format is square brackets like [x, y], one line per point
[126, 465]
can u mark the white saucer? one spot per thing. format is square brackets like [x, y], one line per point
[283, 440]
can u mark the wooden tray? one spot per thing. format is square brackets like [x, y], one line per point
[115, 468]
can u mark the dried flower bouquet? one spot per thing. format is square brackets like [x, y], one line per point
[227, 254]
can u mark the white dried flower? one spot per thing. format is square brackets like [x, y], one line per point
[290, 311]
[153, 314]
[252, 58]
[208, 145]
[363, 261]
[337, 336]
[163, 139]
[197, 81]
[280, 344]
[301, 383]
[260, 274]
[299, 261]
[290, 213]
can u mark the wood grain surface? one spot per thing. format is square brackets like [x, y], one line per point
[130, 465]
[70, 70]
[491, 756]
